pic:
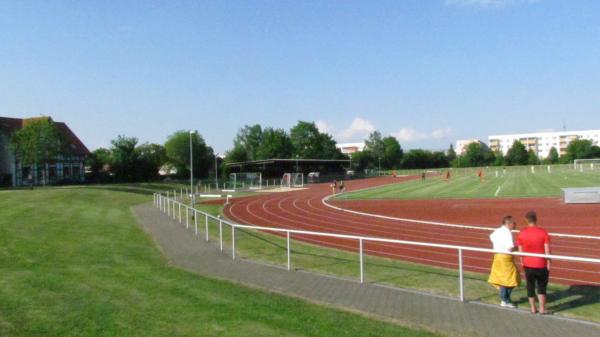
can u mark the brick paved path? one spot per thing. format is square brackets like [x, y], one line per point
[448, 316]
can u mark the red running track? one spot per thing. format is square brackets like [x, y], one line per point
[305, 210]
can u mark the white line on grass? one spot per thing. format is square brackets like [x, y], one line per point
[497, 191]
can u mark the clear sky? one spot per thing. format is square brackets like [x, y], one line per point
[428, 72]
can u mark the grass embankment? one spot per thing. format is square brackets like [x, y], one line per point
[513, 184]
[577, 301]
[74, 262]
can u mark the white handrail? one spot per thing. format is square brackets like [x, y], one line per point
[362, 239]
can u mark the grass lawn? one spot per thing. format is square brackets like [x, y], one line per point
[515, 183]
[577, 301]
[73, 262]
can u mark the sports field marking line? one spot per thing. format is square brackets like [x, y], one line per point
[435, 223]
[326, 243]
[497, 191]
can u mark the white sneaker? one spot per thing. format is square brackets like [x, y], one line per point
[507, 305]
[503, 304]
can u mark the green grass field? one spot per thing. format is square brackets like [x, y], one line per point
[577, 301]
[465, 184]
[74, 262]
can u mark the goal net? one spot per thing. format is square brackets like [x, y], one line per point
[586, 164]
[246, 180]
[290, 180]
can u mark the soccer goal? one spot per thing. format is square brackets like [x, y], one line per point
[290, 180]
[246, 180]
[586, 164]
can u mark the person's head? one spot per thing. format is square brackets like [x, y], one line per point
[509, 222]
[531, 218]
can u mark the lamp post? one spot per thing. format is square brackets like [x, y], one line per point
[379, 173]
[192, 132]
[217, 171]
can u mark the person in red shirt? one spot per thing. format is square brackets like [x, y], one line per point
[535, 240]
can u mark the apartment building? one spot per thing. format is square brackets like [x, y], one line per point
[542, 142]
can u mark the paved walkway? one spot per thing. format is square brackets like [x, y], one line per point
[448, 316]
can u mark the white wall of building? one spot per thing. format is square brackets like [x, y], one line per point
[544, 141]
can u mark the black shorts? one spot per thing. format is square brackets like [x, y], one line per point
[536, 276]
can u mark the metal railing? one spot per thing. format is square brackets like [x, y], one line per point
[173, 208]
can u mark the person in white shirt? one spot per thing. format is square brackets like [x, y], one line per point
[504, 274]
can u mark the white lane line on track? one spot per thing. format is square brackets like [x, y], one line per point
[447, 232]
[266, 202]
[436, 223]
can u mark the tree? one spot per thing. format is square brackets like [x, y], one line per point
[37, 143]
[124, 158]
[552, 156]
[451, 154]
[151, 157]
[581, 149]
[99, 164]
[477, 154]
[499, 159]
[392, 153]
[178, 154]
[275, 144]
[416, 159]
[517, 154]
[374, 144]
[249, 138]
[363, 160]
[309, 143]
[532, 158]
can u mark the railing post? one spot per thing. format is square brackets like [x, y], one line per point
[461, 275]
[196, 223]
[360, 250]
[179, 206]
[187, 217]
[168, 207]
[220, 233]
[289, 256]
[206, 226]
[233, 242]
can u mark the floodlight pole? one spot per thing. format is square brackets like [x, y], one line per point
[217, 171]
[192, 169]
[379, 173]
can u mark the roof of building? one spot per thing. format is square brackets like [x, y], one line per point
[11, 125]
[281, 160]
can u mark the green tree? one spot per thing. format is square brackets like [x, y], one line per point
[151, 157]
[99, 164]
[451, 154]
[532, 158]
[275, 144]
[417, 159]
[392, 153]
[249, 138]
[581, 149]
[517, 154]
[124, 158]
[374, 144]
[552, 156]
[178, 154]
[309, 143]
[363, 160]
[37, 143]
[477, 154]
[499, 159]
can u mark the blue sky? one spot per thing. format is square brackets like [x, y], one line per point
[428, 72]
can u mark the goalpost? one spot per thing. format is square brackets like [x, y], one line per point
[290, 180]
[586, 164]
[246, 180]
